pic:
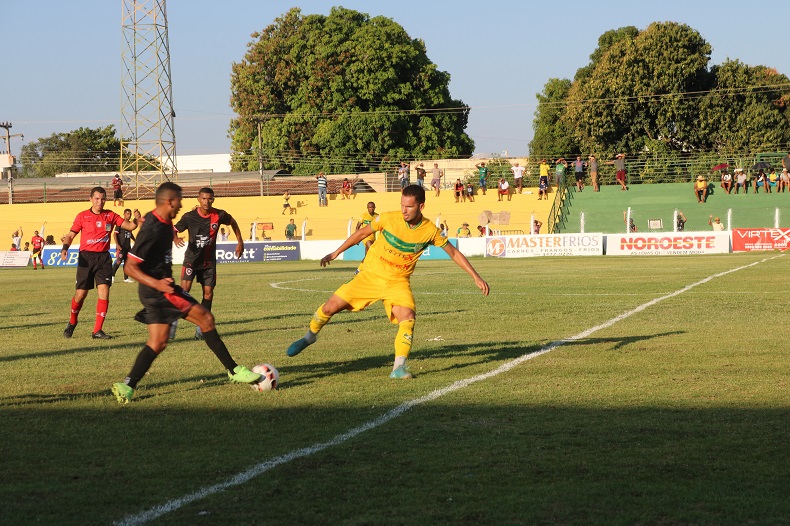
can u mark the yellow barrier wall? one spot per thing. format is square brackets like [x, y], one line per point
[330, 222]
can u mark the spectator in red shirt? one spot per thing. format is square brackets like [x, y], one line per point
[38, 246]
[94, 265]
[117, 190]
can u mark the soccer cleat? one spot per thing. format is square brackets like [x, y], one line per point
[100, 335]
[401, 372]
[298, 346]
[242, 375]
[69, 330]
[198, 333]
[127, 280]
[123, 393]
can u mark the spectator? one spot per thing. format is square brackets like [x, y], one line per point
[287, 204]
[716, 224]
[786, 162]
[444, 230]
[726, 181]
[578, 171]
[436, 178]
[50, 240]
[559, 171]
[503, 188]
[620, 171]
[482, 173]
[630, 222]
[681, 222]
[16, 237]
[322, 184]
[536, 226]
[740, 181]
[593, 164]
[701, 189]
[784, 181]
[117, 190]
[464, 231]
[518, 176]
[290, 230]
[470, 192]
[420, 175]
[403, 175]
[346, 188]
[759, 181]
[253, 227]
[543, 169]
[773, 179]
[13, 248]
[459, 191]
[543, 186]
[26, 248]
[223, 236]
[481, 230]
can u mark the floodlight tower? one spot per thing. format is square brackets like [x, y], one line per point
[148, 138]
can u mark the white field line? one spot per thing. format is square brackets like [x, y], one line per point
[262, 467]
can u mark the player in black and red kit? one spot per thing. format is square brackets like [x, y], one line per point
[150, 264]
[38, 246]
[200, 259]
[94, 264]
[123, 244]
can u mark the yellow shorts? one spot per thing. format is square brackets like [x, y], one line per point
[366, 288]
[370, 239]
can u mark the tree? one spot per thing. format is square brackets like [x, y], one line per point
[343, 92]
[553, 135]
[82, 150]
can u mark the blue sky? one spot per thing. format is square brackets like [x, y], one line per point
[63, 68]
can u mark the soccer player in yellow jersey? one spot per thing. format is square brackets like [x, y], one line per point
[385, 273]
[366, 219]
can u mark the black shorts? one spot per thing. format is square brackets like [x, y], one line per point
[205, 276]
[579, 176]
[93, 268]
[160, 308]
[36, 252]
[117, 194]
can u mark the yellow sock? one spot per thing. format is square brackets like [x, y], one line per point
[319, 320]
[403, 339]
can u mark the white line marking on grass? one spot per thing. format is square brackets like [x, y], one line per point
[263, 467]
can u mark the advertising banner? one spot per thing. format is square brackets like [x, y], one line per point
[668, 244]
[753, 239]
[51, 255]
[524, 246]
[259, 251]
[14, 258]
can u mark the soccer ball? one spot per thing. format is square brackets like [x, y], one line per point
[269, 377]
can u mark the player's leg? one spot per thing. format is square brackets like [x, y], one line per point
[401, 311]
[76, 305]
[103, 280]
[208, 279]
[203, 318]
[157, 341]
[187, 277]
[320, 318]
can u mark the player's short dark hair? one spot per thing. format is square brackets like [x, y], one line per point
[98, 189]
[416, 191]
[206, 190]
[127, 210]
[166, 191]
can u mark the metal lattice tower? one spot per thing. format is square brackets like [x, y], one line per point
[148, 138]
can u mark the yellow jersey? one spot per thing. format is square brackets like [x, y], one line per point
[367, 219]
[399, 245]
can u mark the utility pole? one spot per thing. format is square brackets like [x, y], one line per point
[7, 160]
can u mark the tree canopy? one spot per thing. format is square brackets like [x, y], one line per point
[343, 92]
[651, 91]
[81, 150]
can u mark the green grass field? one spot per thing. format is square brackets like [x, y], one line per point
[671, 412]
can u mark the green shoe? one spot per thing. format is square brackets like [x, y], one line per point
[401, 372]
[242, 375]
[123, 393]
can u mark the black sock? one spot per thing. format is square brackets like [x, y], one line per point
[216, 345]
[115, 268]
[207, 303]
[141, 365]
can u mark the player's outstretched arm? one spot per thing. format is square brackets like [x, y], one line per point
[462, 262]
[239, 237]
[355, 238]
[134, 271]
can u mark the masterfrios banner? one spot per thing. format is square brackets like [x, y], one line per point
[525, 246]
